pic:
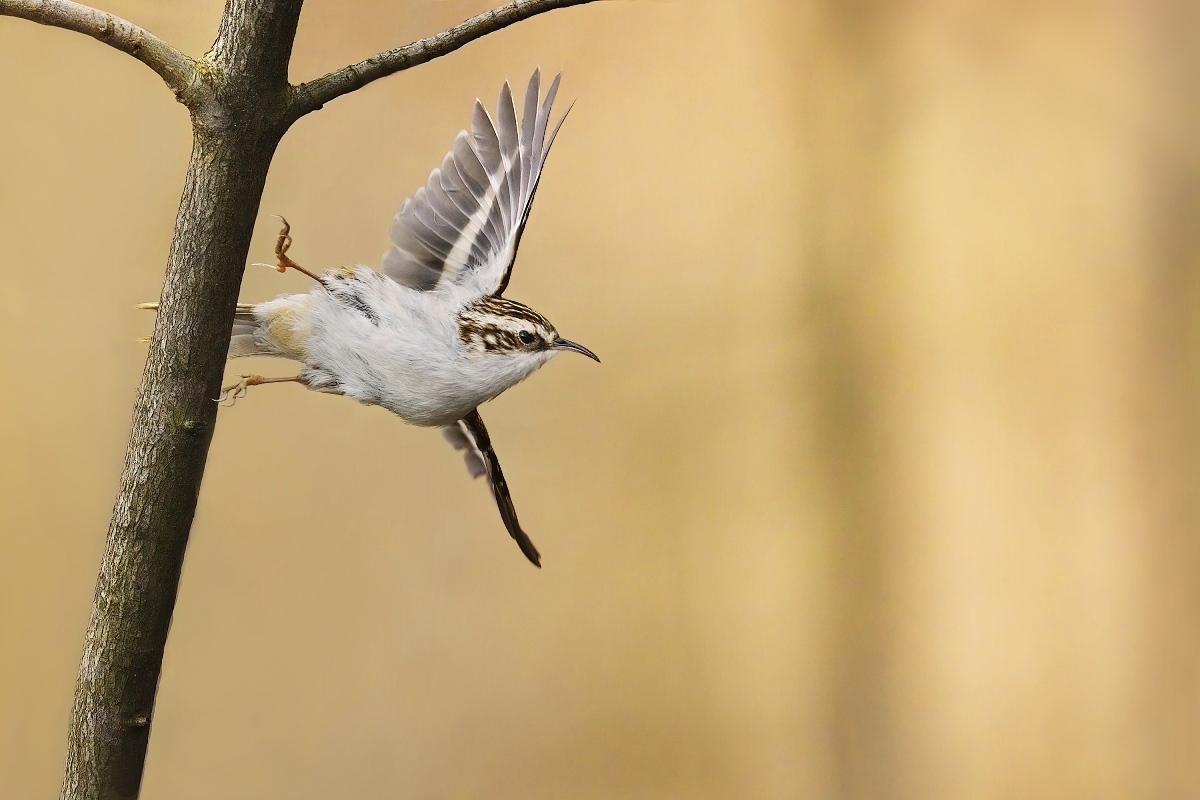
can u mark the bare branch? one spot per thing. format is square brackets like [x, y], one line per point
[176, 69]
[316, 93]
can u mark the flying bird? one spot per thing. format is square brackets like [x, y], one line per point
[431, 336]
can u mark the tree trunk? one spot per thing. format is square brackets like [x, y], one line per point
[172, 426]
[237, 125]
[241, 105]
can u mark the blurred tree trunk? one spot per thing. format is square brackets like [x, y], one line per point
[1006, 305]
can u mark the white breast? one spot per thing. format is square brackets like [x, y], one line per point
[399, 348]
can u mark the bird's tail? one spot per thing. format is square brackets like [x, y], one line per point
[244, 340]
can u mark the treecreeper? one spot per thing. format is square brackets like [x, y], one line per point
[430, 336]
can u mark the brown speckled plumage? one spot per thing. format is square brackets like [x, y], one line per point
[494, 324]
[430, 337]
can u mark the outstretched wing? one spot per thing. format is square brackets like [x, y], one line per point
[470, 436]
[464, 225]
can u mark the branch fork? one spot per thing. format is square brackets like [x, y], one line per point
[241, 105]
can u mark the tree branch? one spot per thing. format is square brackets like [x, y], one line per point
[242, 105]
[176, 69]
[313, 95]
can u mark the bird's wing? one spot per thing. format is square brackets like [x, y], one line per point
[458, 437]
[464, 225]
[470, 436]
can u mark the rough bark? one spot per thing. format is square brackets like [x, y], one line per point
[241, 105]
[176, 69]
[235, 135]
[172, 426]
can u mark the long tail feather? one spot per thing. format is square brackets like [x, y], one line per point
[243, 339]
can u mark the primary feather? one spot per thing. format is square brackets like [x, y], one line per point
[464, 225]
[429, 337]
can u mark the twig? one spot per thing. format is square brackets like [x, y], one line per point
[240, 109]
[314, 94]
[177, 70]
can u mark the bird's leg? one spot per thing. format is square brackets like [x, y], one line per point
[235, 391]
[281, 247]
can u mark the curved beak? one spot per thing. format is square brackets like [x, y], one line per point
[563, 344]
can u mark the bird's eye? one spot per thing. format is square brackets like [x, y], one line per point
[526, 338]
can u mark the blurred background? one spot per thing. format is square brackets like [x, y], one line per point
[888, 486]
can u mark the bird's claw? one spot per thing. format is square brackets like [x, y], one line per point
[283, 261]
[282, 244]
[235, 391]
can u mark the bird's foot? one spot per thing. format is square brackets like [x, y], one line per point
[282, 244]
[235, 391]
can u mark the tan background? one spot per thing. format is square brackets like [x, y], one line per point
[888, 487]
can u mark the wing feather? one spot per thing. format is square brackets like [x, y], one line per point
[442, 201]
[459, 439]
[528, 126]
[510, 153]
[465, 224]
[543, 116]
[471, 437]
[487, 144]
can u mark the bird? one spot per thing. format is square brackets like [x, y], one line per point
[430, 336]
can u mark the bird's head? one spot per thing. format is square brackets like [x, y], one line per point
[497, 326]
